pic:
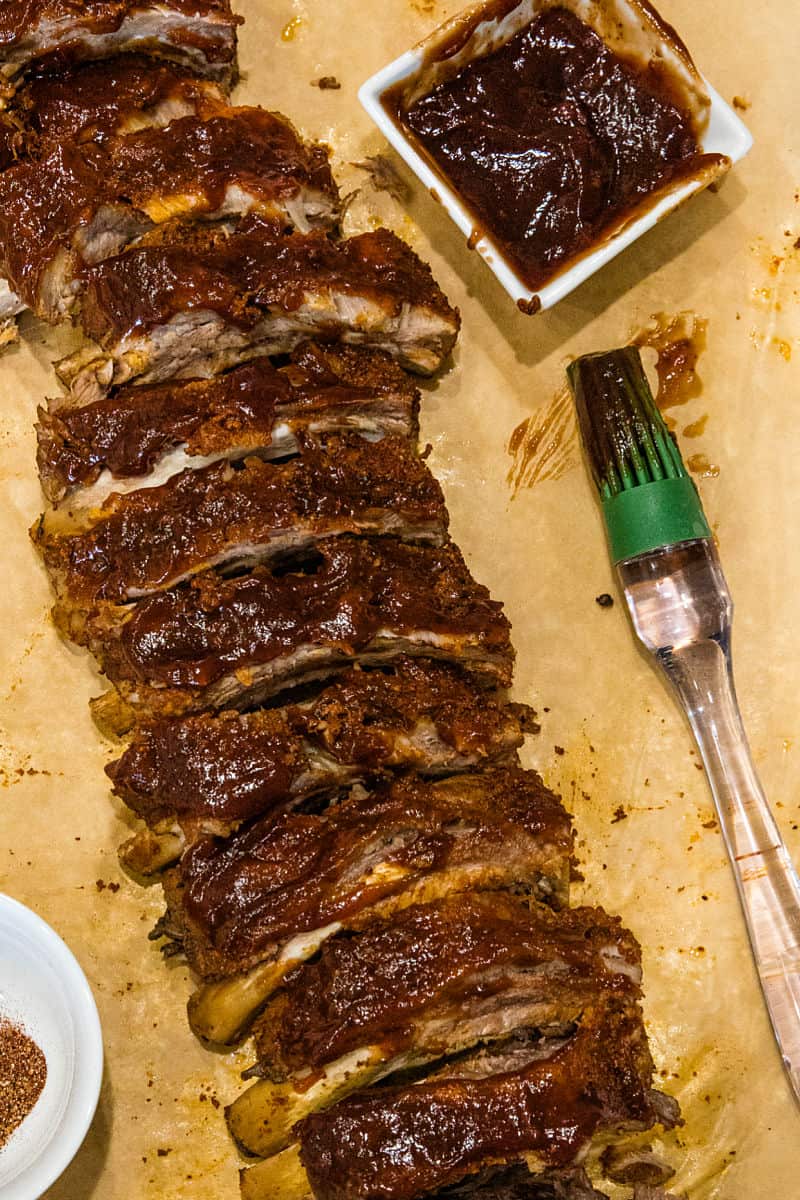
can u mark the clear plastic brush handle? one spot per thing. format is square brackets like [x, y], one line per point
[682, 610]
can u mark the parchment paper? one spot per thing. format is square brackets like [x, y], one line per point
[729, 258]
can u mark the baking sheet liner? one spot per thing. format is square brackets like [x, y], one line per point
[649, 846]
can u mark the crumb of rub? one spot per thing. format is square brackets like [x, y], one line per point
[327, 83]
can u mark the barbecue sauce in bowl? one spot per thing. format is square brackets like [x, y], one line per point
[552, 141]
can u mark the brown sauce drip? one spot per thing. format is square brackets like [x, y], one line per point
[678, 341]
[23, 1074]
[552, 139]
[696, 428]
[698, 464]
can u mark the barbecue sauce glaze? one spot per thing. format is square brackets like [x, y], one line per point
[551, 139]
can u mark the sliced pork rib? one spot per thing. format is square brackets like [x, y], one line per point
[91, 101]
[82, 203]
[53, 33]
[431, 980]
[234, 517]
[541, 1103]
[222, 643]
[142, 436]
[257, 904]
[97, 100]
[234, 902]
[207, 774]
[173, 311]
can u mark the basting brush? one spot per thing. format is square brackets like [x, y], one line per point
[678, 599]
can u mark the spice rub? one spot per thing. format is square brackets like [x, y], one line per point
[552, 139]
[23, 1074]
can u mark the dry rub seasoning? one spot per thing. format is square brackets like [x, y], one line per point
[23, 1071]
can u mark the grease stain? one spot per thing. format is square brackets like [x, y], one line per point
[291, 29]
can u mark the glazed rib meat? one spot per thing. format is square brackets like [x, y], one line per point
[234, 903]
[142, 436]
[234, 517]
[33, 33]
[234, 642]
[442, 976]
[541, 1102]
[91, 101]
[83, 203]
[97, 100]
[248, 909]
[172, 311]
[207, 774]
[431, 980]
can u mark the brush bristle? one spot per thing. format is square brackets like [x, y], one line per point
[626, 440]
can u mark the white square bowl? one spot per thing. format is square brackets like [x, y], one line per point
[721, 131]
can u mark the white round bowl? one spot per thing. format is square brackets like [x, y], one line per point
[43, 989]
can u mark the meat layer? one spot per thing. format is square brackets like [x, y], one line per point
[83, 203]
[401, 1143]
[235, 903]
[55, 33]
[438, 977]
[221, 770]
[234, 517]
[173, 311]
[432, 981]
[517, 1183]
[233, 642]
[141, 436]
[97, 100]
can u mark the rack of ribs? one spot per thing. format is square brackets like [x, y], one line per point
[52, 34]
[81, 203]
[141, 436]
[196, 308]
[246, 910]
[206, 774]
[233, 643]
[235, 516]
[243, 532]
[433, 979]
[539, 1102]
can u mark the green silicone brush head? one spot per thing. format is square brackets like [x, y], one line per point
[648, 498]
